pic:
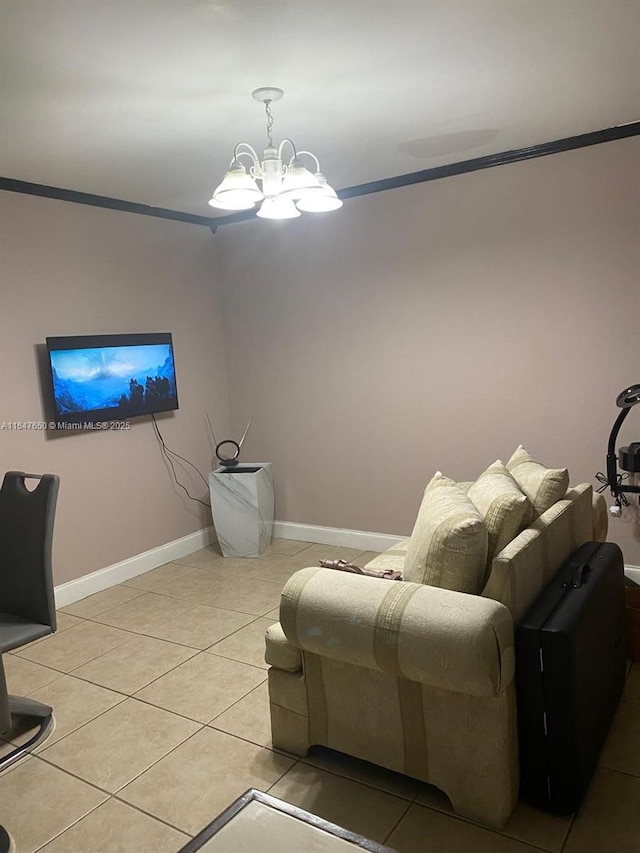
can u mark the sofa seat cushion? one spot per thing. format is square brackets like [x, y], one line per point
[502, 504]
[449, 542]
[393, 558]
[543, 486]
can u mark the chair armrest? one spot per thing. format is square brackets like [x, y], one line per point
[438, 637]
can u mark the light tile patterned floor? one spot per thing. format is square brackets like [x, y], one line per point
[162, 719]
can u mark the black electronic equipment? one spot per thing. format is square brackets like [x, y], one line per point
[98, 378]
[628, 457]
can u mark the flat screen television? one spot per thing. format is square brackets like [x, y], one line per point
[99, 378]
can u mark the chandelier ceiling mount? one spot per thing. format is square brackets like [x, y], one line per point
[267, 94]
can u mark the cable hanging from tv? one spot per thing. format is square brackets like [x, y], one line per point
[168, 454]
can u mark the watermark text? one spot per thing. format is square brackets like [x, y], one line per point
[44, 425]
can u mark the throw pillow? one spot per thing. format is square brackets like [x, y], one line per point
[448, 546]
[543, 486]
[505, 509]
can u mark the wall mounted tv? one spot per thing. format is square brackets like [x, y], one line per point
[112, 377]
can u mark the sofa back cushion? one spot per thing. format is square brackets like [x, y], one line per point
[522, 569]
[448, 546]
[543, 486]
[502, 504]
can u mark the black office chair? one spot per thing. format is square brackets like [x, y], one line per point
[27, 605]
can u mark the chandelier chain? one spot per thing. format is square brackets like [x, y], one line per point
[267, 107]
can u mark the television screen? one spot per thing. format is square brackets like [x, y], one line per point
[112, 377]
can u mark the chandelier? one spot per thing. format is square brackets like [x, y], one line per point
[286, 188]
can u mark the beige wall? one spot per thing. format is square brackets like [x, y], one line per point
[71, 269]
[437, 326]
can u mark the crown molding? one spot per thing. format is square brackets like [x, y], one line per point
[61, 194]
[462, 167]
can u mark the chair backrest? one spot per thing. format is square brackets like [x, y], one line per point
[26, 533]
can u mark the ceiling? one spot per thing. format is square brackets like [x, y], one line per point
[143, 100]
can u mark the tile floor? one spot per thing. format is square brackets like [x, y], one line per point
[160, 696]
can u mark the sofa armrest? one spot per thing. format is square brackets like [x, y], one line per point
[445, 639]
[280, 652]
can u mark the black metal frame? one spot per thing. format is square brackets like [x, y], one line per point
[19, 706]
[626, 400]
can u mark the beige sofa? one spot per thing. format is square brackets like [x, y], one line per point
[416, 678]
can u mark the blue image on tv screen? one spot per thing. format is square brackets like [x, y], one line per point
[126, 380]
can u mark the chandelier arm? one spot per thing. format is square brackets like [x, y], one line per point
[250, 152]
[291, 143]
[310, 154]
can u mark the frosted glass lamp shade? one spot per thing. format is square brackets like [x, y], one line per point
[297, 181]
[240, 203]
[278, 208]
[238, 190]
[318, 201]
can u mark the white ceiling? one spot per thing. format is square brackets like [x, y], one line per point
[143, 100]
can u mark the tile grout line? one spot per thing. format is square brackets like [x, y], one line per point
[567, 833]
[71, 825]
[113, 795]
[615, 770]
[129, 581]
[398, 822]
[66, 612]
[492, 830]
[135, 634]
[126, 696]
[116, 796]
[149, 814]
[183, 716]
[129, 781]
[194, 604]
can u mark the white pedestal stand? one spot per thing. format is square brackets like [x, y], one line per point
[242, 503]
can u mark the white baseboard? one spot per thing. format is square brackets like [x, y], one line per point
[335, 536]
[67, 593]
